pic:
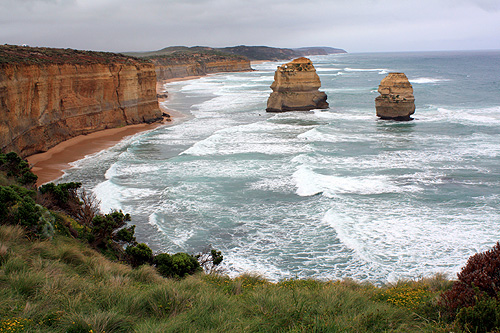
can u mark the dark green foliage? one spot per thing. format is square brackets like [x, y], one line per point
[210, 260]
[177, 265]
[139, 255]
[217, 256]
[17, 168]
[18, 207]
[8, 198]
[61, 195]
[104, 227]
[126, 235]
[484, 316]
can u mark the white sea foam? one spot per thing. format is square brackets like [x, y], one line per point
[310, 183]
[426, 80]
[327, 69]
[380, 70]
[109, 195]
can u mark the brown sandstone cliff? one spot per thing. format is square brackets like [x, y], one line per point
[50, 95]
[183, 64]
[295, 88]
[396, 100]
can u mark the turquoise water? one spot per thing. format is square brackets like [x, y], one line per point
[326, 194]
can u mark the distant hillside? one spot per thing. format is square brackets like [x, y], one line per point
[318, 50]
[250, 52]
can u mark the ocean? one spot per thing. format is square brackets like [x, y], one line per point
[326, 194]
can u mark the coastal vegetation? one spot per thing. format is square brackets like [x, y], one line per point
[65, 267]
[14, 54]
[192, 56]
[247, 52]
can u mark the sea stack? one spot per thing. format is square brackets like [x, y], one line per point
[396, 100]
[295, 88]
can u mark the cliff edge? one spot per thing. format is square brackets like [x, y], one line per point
[197, 63]
[50, 95]
[295, 88]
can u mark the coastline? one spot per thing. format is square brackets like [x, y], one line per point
[50, 165]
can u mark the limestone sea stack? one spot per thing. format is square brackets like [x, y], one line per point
[295, 88]
[396, 100]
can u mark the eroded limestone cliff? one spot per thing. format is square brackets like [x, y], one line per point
[295, 88]
[183, 64]
[50, 95]
[396, 100]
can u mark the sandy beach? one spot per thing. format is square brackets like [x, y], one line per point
[50, 165]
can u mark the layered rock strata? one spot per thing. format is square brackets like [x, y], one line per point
[179, 65]
[396, 100]
[48, 96]
[295, 88]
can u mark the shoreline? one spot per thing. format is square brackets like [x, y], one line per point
[50, 165]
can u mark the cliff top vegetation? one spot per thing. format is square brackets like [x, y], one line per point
[248, 52]
[14, 54]
[190, 56]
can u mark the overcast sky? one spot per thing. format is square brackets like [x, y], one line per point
[354, 25]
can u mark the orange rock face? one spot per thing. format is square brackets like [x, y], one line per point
[396, 100]
[295, 88]
[42, 105]
[197, 66]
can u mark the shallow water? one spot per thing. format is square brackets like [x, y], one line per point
[326, 194]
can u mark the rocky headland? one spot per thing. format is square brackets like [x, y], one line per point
[50, 95]
[249, 52]
[295, 88]
[181, 64]
[396, 100]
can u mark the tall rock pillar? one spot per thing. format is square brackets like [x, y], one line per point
[295, 88]
[396, 100]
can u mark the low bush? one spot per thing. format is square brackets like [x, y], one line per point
[177, 265]
[474, 298]
[139, 255]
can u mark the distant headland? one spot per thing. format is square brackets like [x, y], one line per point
[252, 53]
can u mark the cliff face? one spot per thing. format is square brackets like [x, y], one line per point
[396, 100]
[178, 65]
[295, 88]
[45, 103]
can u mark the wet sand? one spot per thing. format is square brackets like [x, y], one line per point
[50, 165]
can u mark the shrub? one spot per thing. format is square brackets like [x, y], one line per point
[473, 299]
[139, 254]
[63, 196]
[17, 168]
[126, 235]
[484, 316]
[178, 265]
[18, 207]
[210, 260]
[104, 227]
[479, 278]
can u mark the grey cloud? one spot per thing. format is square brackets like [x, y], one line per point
[356, 25]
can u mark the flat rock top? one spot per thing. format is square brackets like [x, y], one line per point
[397, 84]
[299, 64]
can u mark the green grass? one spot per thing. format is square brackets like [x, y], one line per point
[63, 286]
